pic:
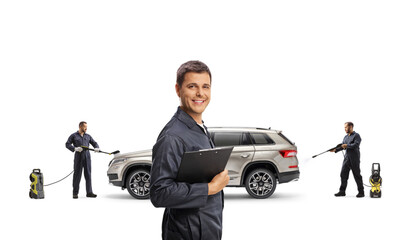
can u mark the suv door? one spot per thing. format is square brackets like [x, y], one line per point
[242, 154]
[265, 148]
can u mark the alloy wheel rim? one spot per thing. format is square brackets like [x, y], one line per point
[260, 183]
[139, 184]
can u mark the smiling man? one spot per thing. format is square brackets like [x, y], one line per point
[192, 211]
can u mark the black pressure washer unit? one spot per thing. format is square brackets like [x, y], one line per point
[376, 181]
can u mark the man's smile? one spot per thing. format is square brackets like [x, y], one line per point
[199, 102]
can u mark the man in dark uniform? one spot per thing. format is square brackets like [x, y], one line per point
[351, 144]
[192, 211]
[82, 158]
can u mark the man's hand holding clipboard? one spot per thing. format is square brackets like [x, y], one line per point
[218, 182]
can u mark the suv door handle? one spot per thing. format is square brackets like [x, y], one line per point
[244, 155]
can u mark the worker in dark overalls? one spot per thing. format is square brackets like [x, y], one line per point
[351, 161]
[192, 211]
[82, 158]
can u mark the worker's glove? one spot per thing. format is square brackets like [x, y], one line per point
[78, 149]
[96, 149]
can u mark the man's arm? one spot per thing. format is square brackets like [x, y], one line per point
[68, 144]
[94, 143]
[165, 191]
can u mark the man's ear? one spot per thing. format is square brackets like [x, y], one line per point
[177, 89]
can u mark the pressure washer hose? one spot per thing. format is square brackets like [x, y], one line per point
[58, 180]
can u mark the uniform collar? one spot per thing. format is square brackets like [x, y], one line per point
[353, 133]
[185, 118]
[77, 132]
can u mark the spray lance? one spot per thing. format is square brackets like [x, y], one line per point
[90, 149]
[338, 148]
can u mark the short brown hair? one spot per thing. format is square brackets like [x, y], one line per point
[349, 123]
[81, 123]
[191, 66]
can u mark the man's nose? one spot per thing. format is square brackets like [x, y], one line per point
[199, 92]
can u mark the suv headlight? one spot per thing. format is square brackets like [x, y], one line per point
[114, 161]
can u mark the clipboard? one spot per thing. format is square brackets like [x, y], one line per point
[201, 166]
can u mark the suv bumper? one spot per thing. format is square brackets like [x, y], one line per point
[113, 179]
[288, 176]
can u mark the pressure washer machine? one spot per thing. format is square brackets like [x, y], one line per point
[36, 186]
[376, 181]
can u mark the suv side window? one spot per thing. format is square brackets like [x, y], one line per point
[261, 138]
[222, 139]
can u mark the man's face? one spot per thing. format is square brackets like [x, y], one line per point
[83, 128]
[348, 129]
[195, 92]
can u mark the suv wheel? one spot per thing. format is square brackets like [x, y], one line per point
[137, 183]
[260, 183]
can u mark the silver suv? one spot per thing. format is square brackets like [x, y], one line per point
[260, 158]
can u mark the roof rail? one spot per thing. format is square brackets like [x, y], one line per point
[264, 128]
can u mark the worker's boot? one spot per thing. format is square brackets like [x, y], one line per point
[360, 194]
[75, 196]
[340, 194]
[92, 195]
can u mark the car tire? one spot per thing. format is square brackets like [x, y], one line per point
[260, 183]
[138, 184]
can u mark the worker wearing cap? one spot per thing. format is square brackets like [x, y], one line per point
[82, 158]
[192, 211]
[351, 144]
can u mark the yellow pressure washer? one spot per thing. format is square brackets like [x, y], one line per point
[36, 186]
[376, 181]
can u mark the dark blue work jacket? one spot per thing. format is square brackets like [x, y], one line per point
[189, 212]
[76, 140]
[352, 151]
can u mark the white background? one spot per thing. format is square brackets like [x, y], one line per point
[304, 67]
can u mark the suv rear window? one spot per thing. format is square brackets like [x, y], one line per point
[286, 139]
[261, 138]
[222, 139]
